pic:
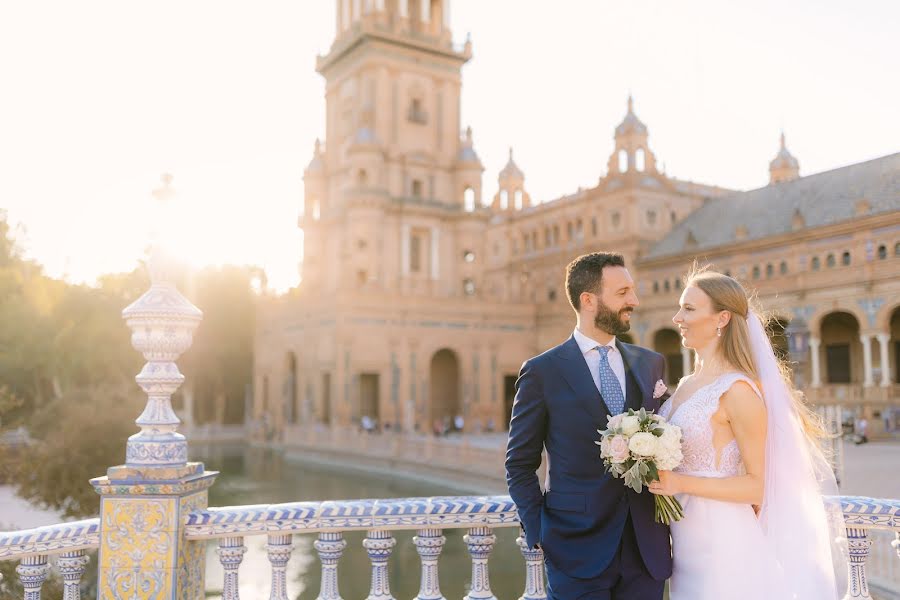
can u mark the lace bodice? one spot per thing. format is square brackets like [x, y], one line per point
[693, 416]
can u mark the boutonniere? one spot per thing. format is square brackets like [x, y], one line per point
[659, 389]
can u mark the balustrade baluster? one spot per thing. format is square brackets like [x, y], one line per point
[33, 571]
[858, 546]
[480, 541]
[279, 550]
[534, 570]
[330, 547]
[71, 566]
[379, 545]
[429, 544]
[231, 553]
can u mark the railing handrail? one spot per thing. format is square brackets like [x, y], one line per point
[50, 539]
[438, 512]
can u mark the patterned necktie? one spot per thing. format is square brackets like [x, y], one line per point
[610, 388]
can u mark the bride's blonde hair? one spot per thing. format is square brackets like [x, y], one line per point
[728, 294]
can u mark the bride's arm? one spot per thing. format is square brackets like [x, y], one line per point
[746, 413]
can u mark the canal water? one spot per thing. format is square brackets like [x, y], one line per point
[258, 476]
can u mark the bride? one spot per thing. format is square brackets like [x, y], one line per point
[751, 483]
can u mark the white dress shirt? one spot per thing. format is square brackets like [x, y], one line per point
[591, 355]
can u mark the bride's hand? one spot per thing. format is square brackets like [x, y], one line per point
[669, 484]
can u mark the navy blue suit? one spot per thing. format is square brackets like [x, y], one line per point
[580, 522]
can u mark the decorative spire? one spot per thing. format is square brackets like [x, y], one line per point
[511, 170]
[784, 166]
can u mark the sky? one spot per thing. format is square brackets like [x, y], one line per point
[101, 97]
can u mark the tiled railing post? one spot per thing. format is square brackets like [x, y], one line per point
[231, 553]
[534, 570]
[143, 551]
[429, 544]
[858, 546]
[279, 549]
[480, 541]
[71, 566]
[330, 547]
[379, 545]
[33, 571]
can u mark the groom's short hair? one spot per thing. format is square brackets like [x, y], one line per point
[585, 274]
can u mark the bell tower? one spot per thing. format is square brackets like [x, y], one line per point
[395, 169]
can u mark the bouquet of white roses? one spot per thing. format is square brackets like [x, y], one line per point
[637, 445]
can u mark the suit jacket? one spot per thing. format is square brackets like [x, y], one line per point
[580, 518]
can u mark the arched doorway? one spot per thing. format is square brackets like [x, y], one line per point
[776, 328]
[444, 390]
[841, 348]
[290, 389]
[668, 343]
[894, 345]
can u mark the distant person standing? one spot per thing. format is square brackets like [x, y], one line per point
[862, 428]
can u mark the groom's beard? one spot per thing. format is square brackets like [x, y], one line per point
[611, 321]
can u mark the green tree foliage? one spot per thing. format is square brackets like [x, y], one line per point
[67, 370]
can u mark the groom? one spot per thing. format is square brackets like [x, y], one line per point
[599, 538]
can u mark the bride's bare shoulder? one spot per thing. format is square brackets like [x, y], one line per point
[742, 401]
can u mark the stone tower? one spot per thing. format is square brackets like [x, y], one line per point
[395, 194]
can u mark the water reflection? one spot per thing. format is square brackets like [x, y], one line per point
[256, 476]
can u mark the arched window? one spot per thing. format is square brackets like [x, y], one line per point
[756, 272]
[623, 161]
[845, 259]
[677, 284]
[816, 263]
[770, 270]
[616, 219]
[655, 287]
[416, 188]
[830, 261]
[651, 218]
[666, 285]
[569, 231]
[469, 199]
[674, 216]
[783, 268]
[579, 229]
[362, 178]
[882, 252]
[519, 200]
[556, 235]
[639, 159]
[897, 249]
[504, 199]
[594, 226]
[468, 287]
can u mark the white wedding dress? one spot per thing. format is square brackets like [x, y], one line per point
[718, 547]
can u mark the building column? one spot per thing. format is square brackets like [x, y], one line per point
[883, 340]
[686, 361]
[866, 339]
[404, 249]
[814, 344]
[435, 253]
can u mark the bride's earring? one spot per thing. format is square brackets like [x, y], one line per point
[719, 331]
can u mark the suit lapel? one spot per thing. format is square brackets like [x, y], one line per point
[575, 371]
[637, 370]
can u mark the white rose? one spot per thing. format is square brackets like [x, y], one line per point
[671, 438]
[668, 459]
[631, 425]
[643, 443]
